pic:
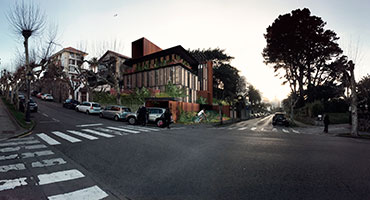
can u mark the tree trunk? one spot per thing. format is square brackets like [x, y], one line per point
[354, 127]
[28, 71]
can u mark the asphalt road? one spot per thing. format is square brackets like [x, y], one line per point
[248, 160]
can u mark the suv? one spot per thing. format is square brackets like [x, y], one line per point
[115, 112]
[70, 103]
[155, 116]
[280, 119]
[89, 107]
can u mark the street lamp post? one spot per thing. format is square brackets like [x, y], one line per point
[28, 114]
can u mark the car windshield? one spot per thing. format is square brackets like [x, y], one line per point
[126, 109]
[31, 101]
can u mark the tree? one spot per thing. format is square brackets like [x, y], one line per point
[26, 20]
[300, 47]
[364, 92]
[254, 95]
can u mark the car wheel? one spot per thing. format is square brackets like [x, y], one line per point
[160, 122]
[116, 118]
[273, 124]
[101, 115]
[76, 109]
[87, 112]
[131, 120]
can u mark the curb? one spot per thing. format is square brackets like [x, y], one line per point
[24, 133]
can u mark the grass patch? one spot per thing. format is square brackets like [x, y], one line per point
[19, 116]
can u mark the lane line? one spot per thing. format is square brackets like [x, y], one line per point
[243, 128]
[50, 162]
[9, 157]
[295, 131]
[66, 137]
[45, 114]
[12, 183]
[253, 128]
[48, 139]
[55, 120]
[98, 133]
[37, 154]
[285, 131]
[59, 176]
[87, 125]
[19, 143]
[21, 139]
[135, 129]
[90, 193]
[18, 166]
[122, 129]
[90, 137]
[38, 146]
[111, 131]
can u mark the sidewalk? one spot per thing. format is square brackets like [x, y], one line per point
[8, 126]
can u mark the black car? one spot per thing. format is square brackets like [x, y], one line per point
[280, 119]
[70, 103]
[33, 106]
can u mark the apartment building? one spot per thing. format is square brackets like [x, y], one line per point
[153, 68]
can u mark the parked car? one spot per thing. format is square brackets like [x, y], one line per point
[47, 97]
[34, 93]
[33, 105]
[155, 116]
[39, 95]
[70, 103]
[280, 119]
[88, 107]
[115, 112]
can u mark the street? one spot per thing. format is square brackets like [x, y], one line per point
[70, 154]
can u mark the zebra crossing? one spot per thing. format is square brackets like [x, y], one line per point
[26, 164]
[262, 129]
[90, 134]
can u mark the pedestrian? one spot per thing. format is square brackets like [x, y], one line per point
[167, 118]
[326, 123]
[144, 116]
[140, 116]
[201, 115]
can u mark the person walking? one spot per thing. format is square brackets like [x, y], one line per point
[145, 116]
[167, 118]
[326, 123]
[201, 115]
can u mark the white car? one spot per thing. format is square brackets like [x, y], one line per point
[89, 108]
[47, 97]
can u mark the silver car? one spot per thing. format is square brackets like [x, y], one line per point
[115, 112]
[155, 116]
[88, 108]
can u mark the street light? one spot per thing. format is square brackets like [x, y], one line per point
[28, 116]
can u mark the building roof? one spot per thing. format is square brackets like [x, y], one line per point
[71, 49]
[179, 50]
[114, 53]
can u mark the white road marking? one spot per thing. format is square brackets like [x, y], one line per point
[37, 154]
[90, 137]
[146, 128]
[274, 129]
[48, 139]
[87, 125]
[285, 131]
[50, 162]
[122, 129]
[55, 120]
[21, 139]
[19, 143]
[253, 128]
[111, 131]
[9, 157]
[98, 133]
[45, 114]
[18, 166]
[38, 146]
[243, 128]
[232, 128]
[295, 131]
[59, 176]
[90, 193]
[135, 128]
[11, 184]
[66, 137]
[263, 129]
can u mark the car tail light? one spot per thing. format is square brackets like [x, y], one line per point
[91, 107]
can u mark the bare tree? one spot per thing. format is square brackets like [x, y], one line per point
[27, 20]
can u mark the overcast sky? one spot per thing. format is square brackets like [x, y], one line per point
[237, 26]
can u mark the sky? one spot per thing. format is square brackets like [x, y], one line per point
[233, 25]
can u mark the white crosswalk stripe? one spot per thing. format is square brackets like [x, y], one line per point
[285, 131]
[48, 139]
[90, 137]
[98, 133]
[66, 137]
[12, 183]
[91, 193]
[18, 166]
[142, 128]
[135, 128]
[111, 131]
[274, 130]
[49, 162]
[9, 157]
[19, 143]
[122, 129]
[59, 176]
[37, 154]
[243, 128]
[295, 131]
